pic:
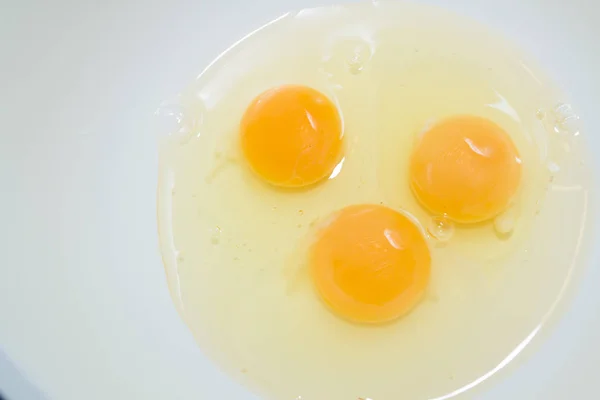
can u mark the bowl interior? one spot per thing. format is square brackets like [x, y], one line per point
[84, 307]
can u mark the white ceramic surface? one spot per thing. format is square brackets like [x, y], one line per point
[84, 308]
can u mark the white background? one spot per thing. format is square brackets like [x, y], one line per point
[84, 308]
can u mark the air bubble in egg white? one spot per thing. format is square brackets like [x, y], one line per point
[361, 55]
[505, 223]
[540, 114]
[564, 120]
[553, 167]
[170, 118]
[178, 121]
[215, 238]
[355, 53]
[440, 228]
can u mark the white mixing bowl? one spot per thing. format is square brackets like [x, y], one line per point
[85, 312]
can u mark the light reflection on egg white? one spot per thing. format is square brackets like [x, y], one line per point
[504, 106]
[210, 94]
[171, 264]
[530, 72]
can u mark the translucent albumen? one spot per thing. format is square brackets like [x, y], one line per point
[234, 248]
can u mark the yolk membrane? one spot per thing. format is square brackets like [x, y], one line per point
[370, 264]
[466, 168]
[292, 136]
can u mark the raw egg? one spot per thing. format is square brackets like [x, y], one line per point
[359, 202]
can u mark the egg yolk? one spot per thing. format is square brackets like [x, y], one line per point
[292, 136]
[465, 167]
[370, 264]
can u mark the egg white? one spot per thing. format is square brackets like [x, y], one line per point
[235, 247]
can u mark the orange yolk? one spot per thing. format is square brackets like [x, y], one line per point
[465, 167]
[292, 136]
[370, 264]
